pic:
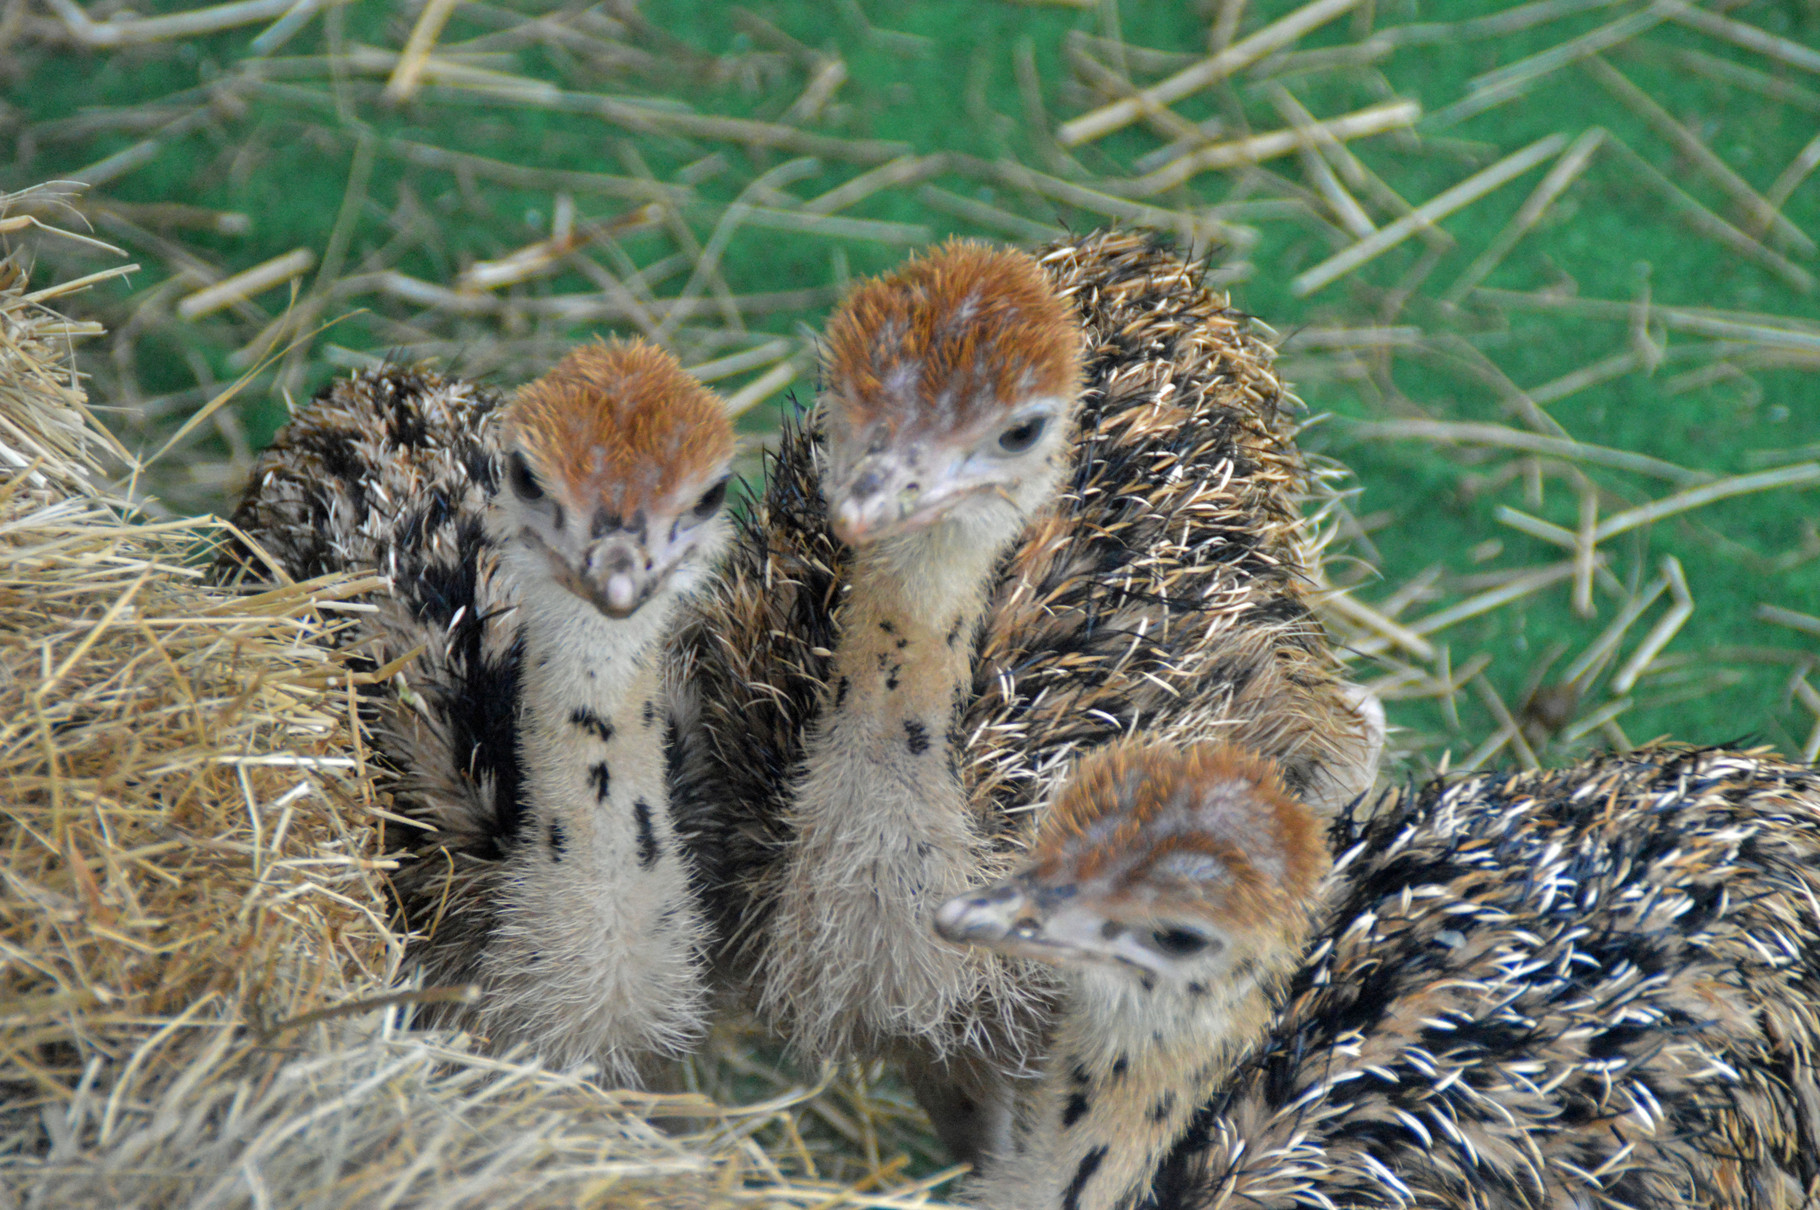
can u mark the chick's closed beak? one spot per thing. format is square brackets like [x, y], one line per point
[876, 496]
[984, 917]
[617, 573]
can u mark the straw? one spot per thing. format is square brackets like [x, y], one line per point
[1239, 55]
[1461, 195]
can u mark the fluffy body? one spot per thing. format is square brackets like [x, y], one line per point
[528, 736]
[878, 724]
[1593, 987]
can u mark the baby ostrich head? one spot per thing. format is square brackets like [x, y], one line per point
[949, 392]
[1158, 868]
[615, 473]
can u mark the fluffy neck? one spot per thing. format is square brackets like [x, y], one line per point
[940, 572]
[574, 653]
[884, 828]
[1128, 1068]
[594, 954]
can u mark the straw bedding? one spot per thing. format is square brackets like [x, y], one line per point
[197, 997]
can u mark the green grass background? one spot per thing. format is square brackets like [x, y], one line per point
[943, 75]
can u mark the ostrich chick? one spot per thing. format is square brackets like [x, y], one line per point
[1056, 503]
[537, 553]
[950, 396]
[1597, 986]
[1174, 888]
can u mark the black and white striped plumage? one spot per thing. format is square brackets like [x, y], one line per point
[1591, 987]
[1596, 986]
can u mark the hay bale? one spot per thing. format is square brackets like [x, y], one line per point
[198, 981]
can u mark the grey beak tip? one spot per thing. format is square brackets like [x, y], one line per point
[950, 918]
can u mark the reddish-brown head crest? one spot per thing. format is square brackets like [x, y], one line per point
[1207, 826]
[950, 339]
[619, 426]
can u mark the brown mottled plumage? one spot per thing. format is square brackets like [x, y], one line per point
[536, 553]
[384, 450]
[1155, 588]
[1597, 986]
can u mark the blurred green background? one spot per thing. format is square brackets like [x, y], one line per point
[713, 174]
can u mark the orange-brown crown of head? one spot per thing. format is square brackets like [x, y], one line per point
[949, 338]
[1138, 809]
[618, 424]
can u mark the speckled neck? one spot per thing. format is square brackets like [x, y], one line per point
[855, 960]
[594, 956]
[1128, 1068]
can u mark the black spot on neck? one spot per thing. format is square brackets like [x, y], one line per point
[587, 720]
[1074, 1110]
[887, 627]
[1197, 989]
[558, 841]
[1119, 1066]
[648, 714]
[647, 837]
[600, 777]
[917, 737]
[891, 676]
[1090, 1164]
[1077, 1071]
[1165, 1106]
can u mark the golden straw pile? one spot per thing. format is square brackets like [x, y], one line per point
[197, 1005]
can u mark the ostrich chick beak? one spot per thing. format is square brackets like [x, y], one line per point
[981, 917]
[1046, 923]
[615, 576]
[619, 570]
[1008, 916]
[886, 495]
[873, 501]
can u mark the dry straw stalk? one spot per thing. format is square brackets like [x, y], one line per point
[199, 995]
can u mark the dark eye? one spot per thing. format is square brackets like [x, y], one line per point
[1021, 436]
[1179, 943]
[711, 500]
[523, 481]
